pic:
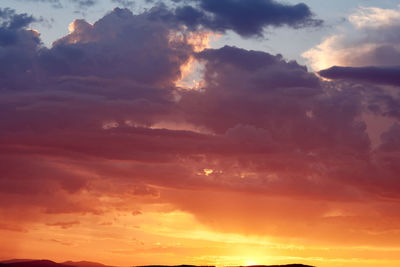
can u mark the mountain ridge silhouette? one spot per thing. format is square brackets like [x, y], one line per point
[49, 263]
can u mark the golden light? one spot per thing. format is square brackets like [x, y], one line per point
[201, 40]
[71, 27]
[207, 172]
[192, 69]
[251, 262]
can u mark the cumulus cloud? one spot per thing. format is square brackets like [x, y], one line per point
[17, 46]
[12, 21]
[118, 40]
[83, 73]
[83, 117]
[370, 41]
[366, 56]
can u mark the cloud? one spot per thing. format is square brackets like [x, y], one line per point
[132, 46]
[17, 45]
[64, 225]
[11, 227]
[365, 55]
[12, 21]
[246, 18]
[369, 41]
[93, 121]
[391, 139]
[124, 3]
[249, 18]
[379, 75]
[54, 3]
[59, 4]
[84, 3]
[82, 72]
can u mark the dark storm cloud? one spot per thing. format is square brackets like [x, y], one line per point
[381, 75]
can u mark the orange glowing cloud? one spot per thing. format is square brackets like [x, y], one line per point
[192, 70]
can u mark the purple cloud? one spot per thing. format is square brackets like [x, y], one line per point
[378, 75]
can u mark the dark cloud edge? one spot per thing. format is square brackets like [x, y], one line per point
[389, 75]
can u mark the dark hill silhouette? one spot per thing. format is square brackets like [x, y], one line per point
[48, 263]
[15, 260]
[287, 265]
[85, 264]
[184, 265]
[34, 263]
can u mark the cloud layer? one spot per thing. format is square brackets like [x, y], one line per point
[262, 147]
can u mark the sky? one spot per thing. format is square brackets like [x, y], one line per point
[212, 132]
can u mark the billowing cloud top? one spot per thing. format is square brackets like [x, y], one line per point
[96, 127]
[371, 41]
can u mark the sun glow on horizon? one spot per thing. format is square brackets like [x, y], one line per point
[251, 263]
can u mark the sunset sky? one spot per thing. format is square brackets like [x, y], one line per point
[218, 132]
